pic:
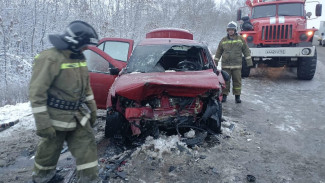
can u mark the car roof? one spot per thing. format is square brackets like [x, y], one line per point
[168, 41]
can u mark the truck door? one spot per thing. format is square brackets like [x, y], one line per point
[104, 62]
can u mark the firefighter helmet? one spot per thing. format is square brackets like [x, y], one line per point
[77, 35]
[232, 25]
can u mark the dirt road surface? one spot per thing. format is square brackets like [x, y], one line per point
[278, 136]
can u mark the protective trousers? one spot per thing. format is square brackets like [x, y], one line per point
[235, 75]
[82, 145]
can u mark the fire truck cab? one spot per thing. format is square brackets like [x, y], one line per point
[277, 34]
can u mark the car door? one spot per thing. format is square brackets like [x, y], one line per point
[104, 62]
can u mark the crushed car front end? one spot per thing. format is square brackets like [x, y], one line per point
[167, 84]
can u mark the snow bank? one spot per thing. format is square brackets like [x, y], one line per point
[21, 112]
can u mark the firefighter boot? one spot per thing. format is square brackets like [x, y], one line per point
[224, 98]
[237, 98]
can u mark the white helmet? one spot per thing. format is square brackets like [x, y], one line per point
[232, 25]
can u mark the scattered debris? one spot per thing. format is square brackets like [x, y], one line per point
[199, 139]
[172, 168]
[189, 134]
[251, 178]
[57, 178]
[113, 168]
[231, 127]
[65, 149]
[4, 126]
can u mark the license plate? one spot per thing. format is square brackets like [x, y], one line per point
[275, 52]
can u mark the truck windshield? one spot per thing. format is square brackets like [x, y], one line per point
[264, 11]
[292, 9]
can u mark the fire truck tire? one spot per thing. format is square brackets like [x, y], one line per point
[306, 67]
[245, 70]
[114, 124]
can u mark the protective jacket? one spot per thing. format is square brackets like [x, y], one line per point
[231, 51]
[61, 76]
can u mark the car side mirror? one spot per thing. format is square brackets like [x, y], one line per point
[225, 75]
[114, 71]
[238, 14]
[309, 14]
[318, 10]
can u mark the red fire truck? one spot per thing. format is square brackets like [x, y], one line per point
[276, 32]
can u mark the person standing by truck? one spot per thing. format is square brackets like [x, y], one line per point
[63, 104]
[231, 49]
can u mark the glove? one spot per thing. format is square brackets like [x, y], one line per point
[46, 133]
[93, 117]
[249, 63]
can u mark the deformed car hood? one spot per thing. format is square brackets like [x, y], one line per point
[139, 86]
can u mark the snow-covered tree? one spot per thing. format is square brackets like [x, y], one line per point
[25, 25]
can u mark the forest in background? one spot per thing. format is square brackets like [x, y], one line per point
[25, 25]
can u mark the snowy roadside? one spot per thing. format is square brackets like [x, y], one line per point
[163, 159]
[21, 112]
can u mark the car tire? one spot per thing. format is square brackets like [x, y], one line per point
[220, 111]
[306, 67]
[114, 123]
[245, 70]
[214, 122]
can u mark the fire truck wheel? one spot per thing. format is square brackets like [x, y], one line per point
[114, 124]
[307, 67]
[245, 70]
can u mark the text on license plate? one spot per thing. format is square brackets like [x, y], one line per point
[275, 52]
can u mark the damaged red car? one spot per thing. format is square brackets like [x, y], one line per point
[169, 81]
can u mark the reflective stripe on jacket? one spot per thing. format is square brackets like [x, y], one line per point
[56, 74]
[231, 51]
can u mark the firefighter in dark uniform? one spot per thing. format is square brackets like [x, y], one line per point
[63, 104]
[231, 49]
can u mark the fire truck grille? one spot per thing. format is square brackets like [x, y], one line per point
[277, 33]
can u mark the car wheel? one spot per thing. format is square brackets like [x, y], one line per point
[220, 111]
[114, 123]
[214, 121]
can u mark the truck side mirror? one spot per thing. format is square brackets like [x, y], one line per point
[318, 10]
[238, 14]
[308, 14]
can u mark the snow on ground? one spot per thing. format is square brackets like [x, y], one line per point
[21, 112]
[155, 148]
